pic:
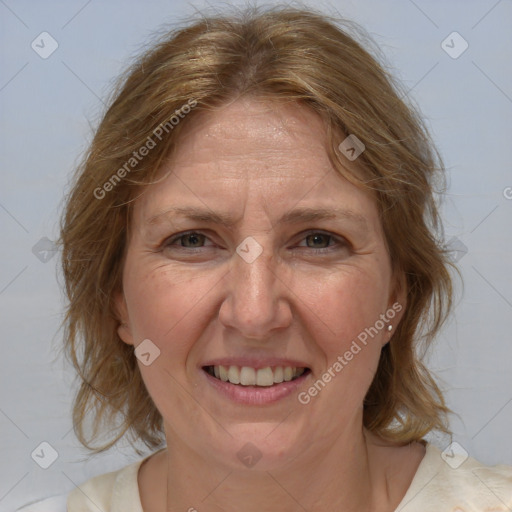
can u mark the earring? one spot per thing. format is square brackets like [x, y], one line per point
[390, 328]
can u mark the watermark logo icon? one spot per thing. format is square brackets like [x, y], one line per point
[44, 250]
[145, 148]
[249, 455]
[249, 249]
[456, 249]
[44, 455]
[454, 45]
[146, 352]
[351, 147]
[44, 45]
[454, 455]
[507, 192]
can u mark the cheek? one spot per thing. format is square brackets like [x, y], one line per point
[165, 305]
[172, 309]
[348, 331]
[345, 306]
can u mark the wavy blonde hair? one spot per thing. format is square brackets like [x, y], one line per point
[284, 54]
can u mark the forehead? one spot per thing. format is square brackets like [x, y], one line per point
[255, 118]
[268, 135]
[253, 150]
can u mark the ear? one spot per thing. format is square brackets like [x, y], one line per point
[123, 330]
[397, 304]
[399, 291]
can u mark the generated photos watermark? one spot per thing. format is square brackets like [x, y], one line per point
[356, 346]
[150, 143]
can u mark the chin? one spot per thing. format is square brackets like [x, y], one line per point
[258, 447]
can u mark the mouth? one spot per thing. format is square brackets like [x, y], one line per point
[246, 376]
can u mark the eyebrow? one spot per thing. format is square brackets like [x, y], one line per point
[299, 215]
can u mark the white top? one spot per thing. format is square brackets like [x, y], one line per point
[436, 487]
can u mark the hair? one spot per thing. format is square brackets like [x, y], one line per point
[276, 54]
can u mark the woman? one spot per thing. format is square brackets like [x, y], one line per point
[250, 258]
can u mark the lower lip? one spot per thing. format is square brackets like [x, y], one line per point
[256, 395]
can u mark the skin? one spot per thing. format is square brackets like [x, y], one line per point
[257, 161]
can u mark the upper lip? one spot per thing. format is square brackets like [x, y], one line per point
[255, 362]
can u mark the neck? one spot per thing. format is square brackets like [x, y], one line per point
[350, 475]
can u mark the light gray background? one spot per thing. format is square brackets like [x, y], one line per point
[46, 108]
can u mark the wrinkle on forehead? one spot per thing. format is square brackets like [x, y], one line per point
[265, 147]
[277, 124]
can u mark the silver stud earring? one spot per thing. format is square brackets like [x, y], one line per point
[390, 328]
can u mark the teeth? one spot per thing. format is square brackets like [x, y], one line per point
[247, 376]
[234, 375]
[223, 374]
[265, 377]
[278, 375]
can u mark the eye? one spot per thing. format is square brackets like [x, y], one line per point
[322, 242]
[316, 240]
[189, 240]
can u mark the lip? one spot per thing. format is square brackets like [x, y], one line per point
[255, 395]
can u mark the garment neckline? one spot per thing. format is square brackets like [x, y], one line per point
[427, 469]
[127, 480]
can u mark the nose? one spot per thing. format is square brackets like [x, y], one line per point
[256, 303]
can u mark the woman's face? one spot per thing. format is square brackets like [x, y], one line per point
[255, 255]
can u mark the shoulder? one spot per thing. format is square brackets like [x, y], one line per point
[453, 478]
[116, 491]
[53, 504]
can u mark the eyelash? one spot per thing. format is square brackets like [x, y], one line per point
[340, 241]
